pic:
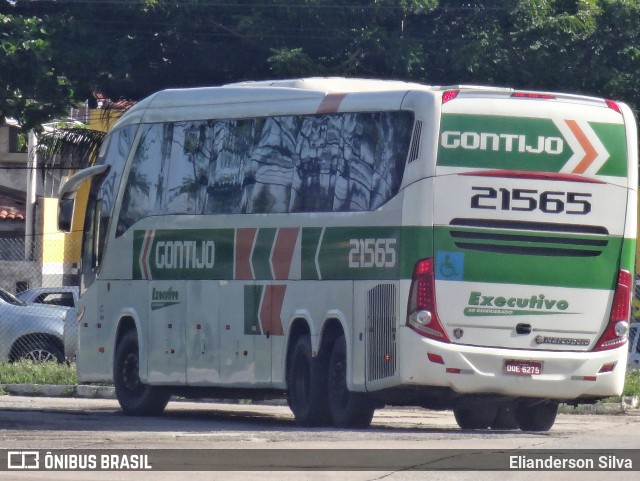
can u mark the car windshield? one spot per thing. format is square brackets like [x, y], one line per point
[10, 298]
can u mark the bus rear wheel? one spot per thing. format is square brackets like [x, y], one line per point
[306, 385]
[348, 409]
[135, 398]
[477, 417]
[505, 417]
[537, 416]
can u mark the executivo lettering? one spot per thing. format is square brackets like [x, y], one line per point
[501, 142]
[484, 305]
[164, 298]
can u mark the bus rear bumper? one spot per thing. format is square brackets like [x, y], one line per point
[481, 370]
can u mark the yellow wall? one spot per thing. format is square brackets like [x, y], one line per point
[60, 251]
[103, 120]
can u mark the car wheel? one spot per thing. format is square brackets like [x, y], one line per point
[39, 350]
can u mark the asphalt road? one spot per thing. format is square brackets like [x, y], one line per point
[89, 425]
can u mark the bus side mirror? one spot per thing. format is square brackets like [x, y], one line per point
[65, 214]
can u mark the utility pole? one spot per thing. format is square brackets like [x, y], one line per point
[32, 182]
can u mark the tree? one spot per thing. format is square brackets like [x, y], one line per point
[57, 52]
[33, 90]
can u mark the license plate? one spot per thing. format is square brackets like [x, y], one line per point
[522, 368]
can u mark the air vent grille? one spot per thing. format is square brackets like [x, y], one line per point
[381, 332]
[414, 151]
[528, 238]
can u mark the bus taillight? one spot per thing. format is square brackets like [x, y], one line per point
[616, 332]
[449, 95]
[422, 315]
[613, 106]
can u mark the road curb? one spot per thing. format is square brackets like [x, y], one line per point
[60, 390]
[627, 405]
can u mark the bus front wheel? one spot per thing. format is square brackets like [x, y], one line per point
[135, 398]
[348, 409]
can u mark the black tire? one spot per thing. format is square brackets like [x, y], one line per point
[348, 409]
[478, 417]
[505, 417]
[39, 350]
[306, 385]
[135, 398]
[536, 416]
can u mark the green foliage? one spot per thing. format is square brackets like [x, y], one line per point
[31, 372]
[31, 87]
[56, 53]
[632, 383]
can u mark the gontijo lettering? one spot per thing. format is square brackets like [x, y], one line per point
[506, 142]
[185, 254]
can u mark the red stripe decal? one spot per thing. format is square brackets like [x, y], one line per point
[282, 254]
[244, 244]
[331, 103]
[272, 301]
[590, 153]
[145, 254]
[523, 174]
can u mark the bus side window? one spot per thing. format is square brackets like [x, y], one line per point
[316, 161]
[187, 171]
[391, 150]
[145, 185]
[355, 183]
[312, 163]
[101, 200]
[267, 187]
[231, 145]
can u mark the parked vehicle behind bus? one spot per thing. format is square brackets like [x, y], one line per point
[356, 243]
[633, 360]
[30, 331]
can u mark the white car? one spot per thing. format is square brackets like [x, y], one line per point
[29, 331]
[64, 296]
[633, 360]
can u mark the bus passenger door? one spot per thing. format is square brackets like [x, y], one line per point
[87, 352]
[166, 352]
[203, 332]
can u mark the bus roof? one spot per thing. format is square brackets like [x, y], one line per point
[312, 89]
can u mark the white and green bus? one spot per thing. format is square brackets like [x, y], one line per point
[360, 243]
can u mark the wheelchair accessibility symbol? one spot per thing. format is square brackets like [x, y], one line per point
[449, 266]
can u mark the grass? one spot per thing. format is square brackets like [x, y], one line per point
[30, 372]
[632, 383]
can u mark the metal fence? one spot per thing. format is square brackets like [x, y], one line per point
[38, 292]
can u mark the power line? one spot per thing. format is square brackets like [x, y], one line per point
[469, 6]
